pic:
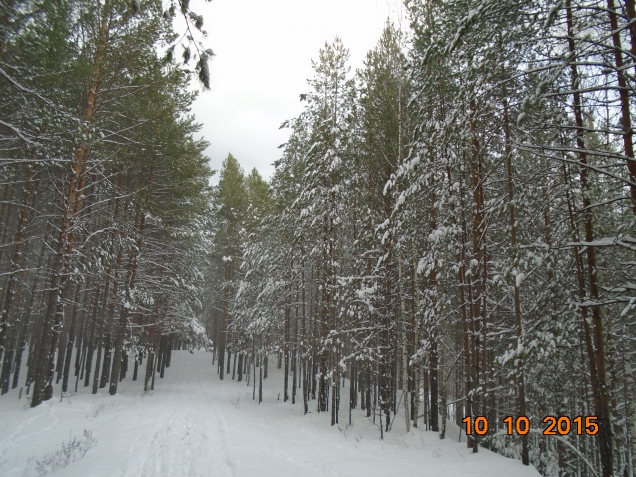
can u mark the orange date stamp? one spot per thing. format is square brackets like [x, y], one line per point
[556, 425]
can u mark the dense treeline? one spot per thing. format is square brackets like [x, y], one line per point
[452, 229]
[104, 208]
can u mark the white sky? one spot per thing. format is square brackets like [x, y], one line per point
[263, 59]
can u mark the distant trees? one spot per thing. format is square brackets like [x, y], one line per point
[231, 201]
[104, 195]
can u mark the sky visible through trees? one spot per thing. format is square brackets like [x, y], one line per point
[447, 240]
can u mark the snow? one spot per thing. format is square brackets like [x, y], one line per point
[193, 424]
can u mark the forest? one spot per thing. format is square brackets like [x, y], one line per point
[450, 229]
[105, 195]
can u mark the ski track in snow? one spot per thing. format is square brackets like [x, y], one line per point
[194, 425]
[19, 434]
[177, 445]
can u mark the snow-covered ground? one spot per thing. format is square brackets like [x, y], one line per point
[192, 424]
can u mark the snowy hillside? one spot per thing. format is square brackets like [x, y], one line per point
[192, 424]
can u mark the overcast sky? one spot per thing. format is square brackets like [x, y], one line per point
[263, 59]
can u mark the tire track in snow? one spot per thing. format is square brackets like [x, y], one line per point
[181, 444]
[197, 443]
[152, 453]
[224, 437]
[145, 458]
[132, 468]
[301, 462]
[233, 471]
[154, 464]
[303, 465]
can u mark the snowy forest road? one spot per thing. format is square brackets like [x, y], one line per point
[193, 425]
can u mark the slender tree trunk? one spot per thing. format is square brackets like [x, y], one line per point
[128, 290]
[106, 365]
[97, 362]
[254, 370]
[433, 377]
[443, 393]
[157, 355]
[71, 338]
[224, 322]
[415, 327]
[164, 356]
[405, 354]
[286, 344]
[260, 381]
[150, 363]
[478, 236]
[295, 351]
[623, 93]
[91, 339]
[135, 369]
[521, 393]
[466, 340]
[9, 314]
[604, 435]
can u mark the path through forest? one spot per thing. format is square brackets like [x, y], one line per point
[192, 424]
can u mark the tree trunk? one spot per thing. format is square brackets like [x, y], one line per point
[405, 354]
[91, 340]
[107, 360]
[295, 351]
[521, 392]
[605, 436]
[286, 343]
[260, 382]
[71, 339]
[97, 362]
[150, 364]
[135, 369]
[128, 290]
[478, 237]
[9, 315]
[433, 376]
[623, 93]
